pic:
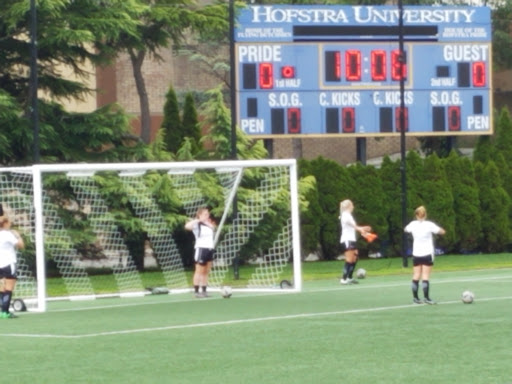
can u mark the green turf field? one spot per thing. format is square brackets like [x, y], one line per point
[365, 333]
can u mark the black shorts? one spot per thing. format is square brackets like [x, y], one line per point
[422, 260]
[348, 245]
[203, 255]
[8, 272]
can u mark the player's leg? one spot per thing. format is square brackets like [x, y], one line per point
[8, 288]
[344, 271]
[207, 269]
[348, 267]
[425, 282]
[352, 267]
[196, 277]
[199, 272]
[416, 275]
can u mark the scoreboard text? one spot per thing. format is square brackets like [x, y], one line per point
[320, 70]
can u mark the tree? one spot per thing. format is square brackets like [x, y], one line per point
[171, 124]
[436, 195]
[390, 180]
[310, 218]
[217, 121]
[503, 136]
[468, 230]
[70, 34]
[190, 124]
[334, 185]
[415, 179]
[502, 36]
[162, 23]
[369, 200]
[494, 207]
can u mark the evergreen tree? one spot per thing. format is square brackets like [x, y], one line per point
[415, 178]
[310, 217]
[171, 124]
[369, 199]
[218, 123]
[494, 208]
[503, 140]
[484, 149]
[190, 124]
[468, 230]
[506, 177]
[334, 185]
[503, 143]
[71, 34]
[436, 195]
[160, 24]
[390, 177]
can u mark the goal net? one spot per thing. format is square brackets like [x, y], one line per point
[94, 230]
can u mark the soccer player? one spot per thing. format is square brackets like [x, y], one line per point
[422, 231]
[10, 240]
[348, 240]
[203, 228]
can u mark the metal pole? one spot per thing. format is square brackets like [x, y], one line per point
[403, 61]
[234, 155]
[33, 87]
[361, 150]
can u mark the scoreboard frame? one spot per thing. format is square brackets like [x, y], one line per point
[329, 70]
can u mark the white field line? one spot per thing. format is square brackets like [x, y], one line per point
[234, 322]
[335, 287]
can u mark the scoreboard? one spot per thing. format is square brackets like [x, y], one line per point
[336, 70]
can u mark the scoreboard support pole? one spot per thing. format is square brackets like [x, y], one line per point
[401, 123]
[361, 150]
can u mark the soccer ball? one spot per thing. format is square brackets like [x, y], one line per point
[361, 273]
[468, 297]
[226, 292]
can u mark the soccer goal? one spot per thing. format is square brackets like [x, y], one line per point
[94, 230]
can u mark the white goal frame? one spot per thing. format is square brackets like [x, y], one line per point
[288, 241]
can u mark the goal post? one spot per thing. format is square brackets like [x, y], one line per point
[112, 229]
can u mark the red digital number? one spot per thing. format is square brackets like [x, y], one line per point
[353, 65]
[398, 68]
[266, 76]
[348, 119]
[399, 113]
[479, 74]
[454, 118]
[293, 120]
[378, 65]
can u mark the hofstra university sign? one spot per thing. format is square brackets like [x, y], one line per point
[299, 23]
[360, 15]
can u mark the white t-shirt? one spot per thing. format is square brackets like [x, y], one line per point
[348, 227]
[422, 231]
[204, 235]
[7, 248]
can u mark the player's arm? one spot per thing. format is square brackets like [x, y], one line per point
[189, 225]
[20, 244]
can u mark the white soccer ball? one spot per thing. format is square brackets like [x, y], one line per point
[226, 292]
[468, 297]
[361, 273]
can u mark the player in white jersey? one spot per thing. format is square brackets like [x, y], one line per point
[423, 252]
[348, 240]
[203, 228]
[10, 240]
